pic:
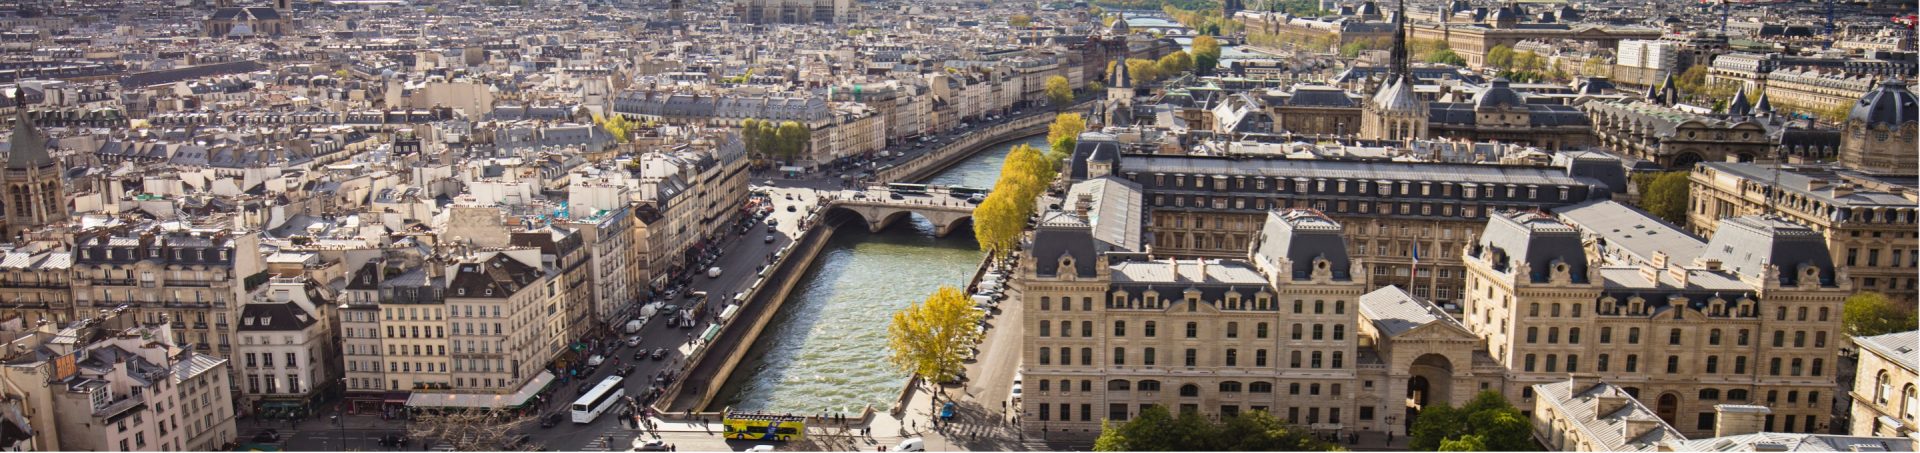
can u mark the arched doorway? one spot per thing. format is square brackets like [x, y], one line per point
[1669, 408]
[1430, 381]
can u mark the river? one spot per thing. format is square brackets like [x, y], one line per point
[1227, 52]
[826, 350]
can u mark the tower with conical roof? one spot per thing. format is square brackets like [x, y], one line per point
[1395, 112]
[1880, 131]
[30, 188]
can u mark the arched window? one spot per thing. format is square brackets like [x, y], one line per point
[1573, 335]
[1713, 337]
[1151, 329]
[1553, 335]
[1066, 329]
[1553, 362]
[1713, 364]
[1602, 365]
[1193, 330]
[1339, 332]
[1533, 309]
[1046, 328]
[1573, 363]
[1533, 334]
[1066, 356]
[1709, 394]
[1230, 387]
[1882, 387]
[1529, 365]
[1046, 356]
[1086, 356]
[1319, 331]
[1260, 387]
[1260, 330]
[1340, 308]
[1189, 390]
[1045, 385]
[1736, 395]
[1147, 386]
[1296, 331]
[1909, 402]
[1119, 356]
[1119, 385]
[1555, 310]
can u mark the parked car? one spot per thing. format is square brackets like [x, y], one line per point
[633, 341]
[267, 436]
[641, 444]
[912, 445]
[659, 353]
[946, 411]
[596, 360]
[552, 420]
[640, 354]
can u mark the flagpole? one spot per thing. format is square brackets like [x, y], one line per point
[1413, 278]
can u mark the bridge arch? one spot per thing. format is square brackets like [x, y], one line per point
[878, 216]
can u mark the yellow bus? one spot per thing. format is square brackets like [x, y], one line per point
[758, 426]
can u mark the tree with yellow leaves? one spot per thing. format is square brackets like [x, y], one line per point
[1063, 135]
[931, 339]
[1059, 92]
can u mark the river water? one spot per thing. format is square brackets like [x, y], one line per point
[826, 350]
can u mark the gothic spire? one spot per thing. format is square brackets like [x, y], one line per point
[28, 147]
[1400, 67]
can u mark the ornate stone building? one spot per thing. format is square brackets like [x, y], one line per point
[1112, 331]
[1754, 318]
[1881, 130]
[232, 21]
[1676, 139]
[1865, 206]
[1213, 207]
[31, 189]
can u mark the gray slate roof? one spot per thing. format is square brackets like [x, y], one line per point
[1897, 347]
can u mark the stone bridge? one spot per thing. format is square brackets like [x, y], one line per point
[945, 213]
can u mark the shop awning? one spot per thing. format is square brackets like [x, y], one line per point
[395, 397]
[483, 400]
[712, 331]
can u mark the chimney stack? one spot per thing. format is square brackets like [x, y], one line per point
[1640, 425]
[1737, 419]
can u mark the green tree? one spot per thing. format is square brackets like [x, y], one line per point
[1664, 195]
[1062, 136]
[1502, 429]
[1446, 56]
[1206, 54]
[793, 139]
[1059, 92]
[1142, 71]
[1155, 429]
[750, 135]
[931, 339]
[1869, 313]
[1435, 423]
[1175, 63]
[1693, 81]
[1464, 443]
[1500, 57]
[1096, 87]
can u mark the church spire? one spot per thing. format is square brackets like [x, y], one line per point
[29, 148]
[1400, 67]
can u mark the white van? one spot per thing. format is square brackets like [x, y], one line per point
[914, 444]
[713, 272]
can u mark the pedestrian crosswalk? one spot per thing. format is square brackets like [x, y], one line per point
[622, 440]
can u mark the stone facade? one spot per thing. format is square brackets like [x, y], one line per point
[1884, 400]
[1685, 336]
[1288, 331]
[1676, 139]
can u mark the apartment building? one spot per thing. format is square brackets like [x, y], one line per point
[375, 294]
[113, 383]
[1676, 139]
[499, 333]
[1884, 400]
[195, 278]
[287, 347]
[34, 284]
[1685, 332]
